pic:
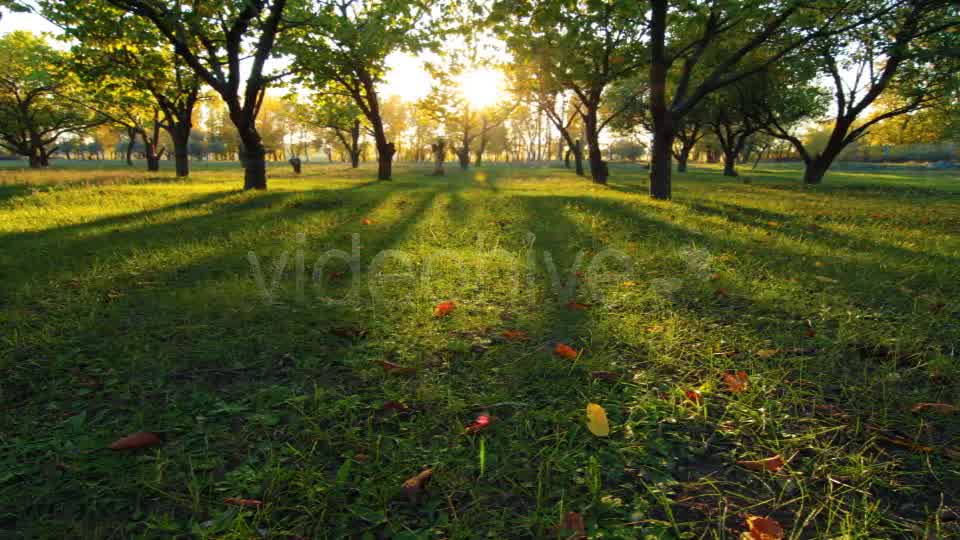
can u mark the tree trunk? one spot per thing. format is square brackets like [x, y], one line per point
[181, 150]
[683, 157]
[663, 128]
[730, 164]
[598, 167]
[578, 157]
[438, 148]
[463, 156]
[131, 140]
[815, 169]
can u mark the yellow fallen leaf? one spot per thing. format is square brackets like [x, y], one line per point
[597, 420]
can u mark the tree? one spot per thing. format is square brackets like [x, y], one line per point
[579, 46]
[340, 116]
[35, 98]
[226, 43]
[889, 52]
[346, 43]
[742, 39]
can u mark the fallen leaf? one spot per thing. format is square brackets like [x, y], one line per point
[905, 442]
[565, 351]
[573, 305]
[572, 527]
[246, 503]
[761, 528]
[395, 406]
[736, 382]
[772, 464]
[482, 422]
[721, 292]
[397, 369]
[141, 439]
[597, 420]
[693, 395]
[714, 277]
[825, 279]
[515, 335]
[629, 283]
[810, 332]
[654, 329]
[942, 408]
[361, 458]
[605, 375]
[367, 221]
[414, 487]
[766, 353]
[444, 308]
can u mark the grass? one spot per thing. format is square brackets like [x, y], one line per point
[129, 304]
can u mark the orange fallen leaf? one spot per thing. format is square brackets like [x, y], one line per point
[482, 422]
[397, 369]
[367, 221]
[654, 328]
[414, 487]
[714, 277]
[572, 527]
[573, 305]
[605, 375]
[444, 308]
[694, 396]
[761, 528]
[736, 382]
[141, 439]
[246, 503]
[772, 464]
[942, 408]
[515, 335]
[565, 351]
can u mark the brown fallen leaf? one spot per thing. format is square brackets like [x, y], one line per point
[395, 406]
[694, 396]
[761, 528]
[721, 292]
[714, 277]
[736, 382]
[572, 527]
[772, 464]
[141, 439]
[942, 408]
[515, 335]
[396, 369]
[367, 221]
[605, 375]
[415, 487]
[361, 458]
[246, 503]
[573, 305]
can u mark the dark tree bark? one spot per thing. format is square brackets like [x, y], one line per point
[131, 140]
[178, 117]
[598, 167]
[439, 150]
[663, 123]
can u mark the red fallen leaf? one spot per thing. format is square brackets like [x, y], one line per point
[362, 458]
[579, 273]
[761, 528]
[942, 408]
[142, 439]
[772, 464]
[482, 422]
[810, 332]
[414, 487]
[246, 503]
[572, 526]
[395, 406]
[693, 395]
[573, 305]
[390, 367]
[736, 382]
[565, 351]
[605, 375]
[443, 308]
[367, 221]
[515, 335]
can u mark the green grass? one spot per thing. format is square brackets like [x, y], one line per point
[128, 304]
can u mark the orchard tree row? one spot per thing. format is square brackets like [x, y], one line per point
[739, 71]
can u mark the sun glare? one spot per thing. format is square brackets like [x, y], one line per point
[482, 87]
